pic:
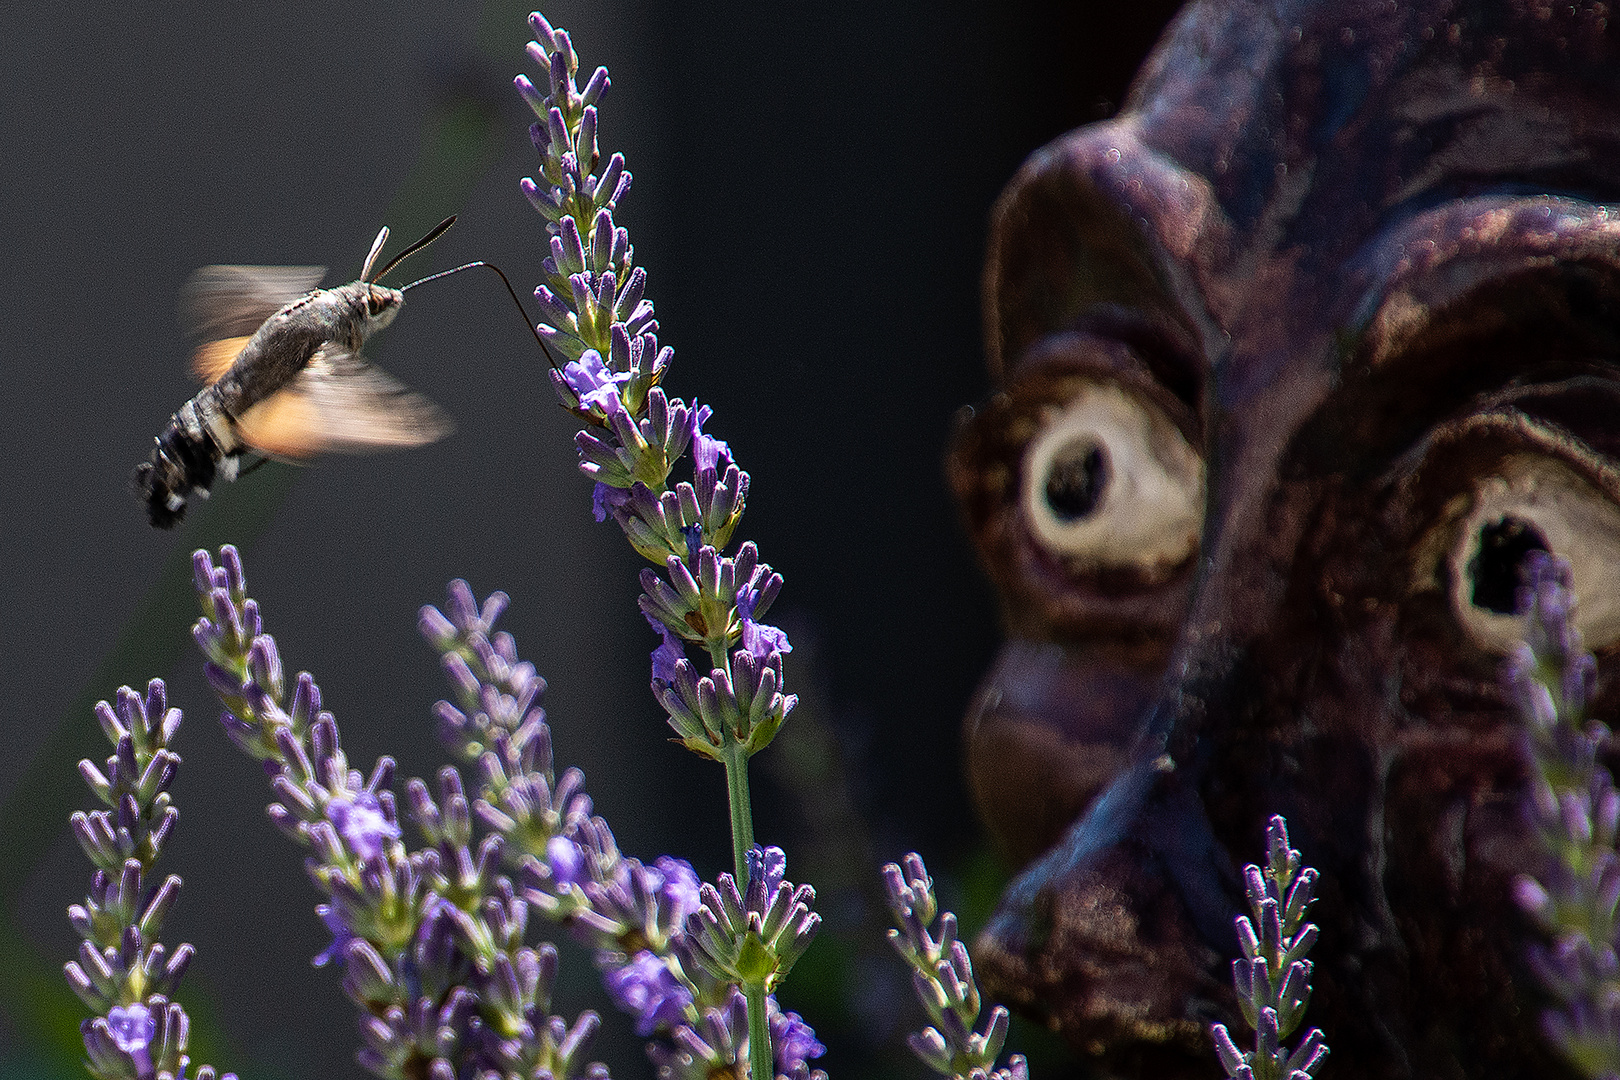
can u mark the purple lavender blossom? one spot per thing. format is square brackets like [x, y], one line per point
[132, 1028]
[645, 988]
[706, 449]
[709, 1048]
[942, 976]
[605, 499]
[123, 973]
[693, 534]
[772, 863]
[431, 942]
[793, 1040]
[758, 639]
[754, 935]
[766, 868]
[680, 887]
[341, 936]
[1274, 1007]
[593, 384]
[593, 307]
[567, 861]
[361, 823]
[669, 653]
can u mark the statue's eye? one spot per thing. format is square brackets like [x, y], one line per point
[1108, 482]
[1534, 502]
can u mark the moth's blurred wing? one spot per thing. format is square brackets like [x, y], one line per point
[340, 403]
[231, 301]
[214, 358]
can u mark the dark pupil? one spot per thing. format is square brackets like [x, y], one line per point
[1074, 485]
[1496, 569]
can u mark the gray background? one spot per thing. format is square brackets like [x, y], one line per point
[812, 185]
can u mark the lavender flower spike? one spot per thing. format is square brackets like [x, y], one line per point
[596, 313]
[1274, 1006]
[498, 722]
[123, 973]
[1575, 811]
[942, 976]
[430, 942]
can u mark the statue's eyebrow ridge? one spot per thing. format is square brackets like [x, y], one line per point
[1440, 256]
[1095, 220]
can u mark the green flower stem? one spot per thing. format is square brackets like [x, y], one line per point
[761, 1063]
[742, 813]
[736, 759]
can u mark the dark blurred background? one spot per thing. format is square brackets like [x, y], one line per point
[812, 187]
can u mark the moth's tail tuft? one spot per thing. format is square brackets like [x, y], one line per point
[160, 499]
[182, 462]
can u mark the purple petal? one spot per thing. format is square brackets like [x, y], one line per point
[132, 1027]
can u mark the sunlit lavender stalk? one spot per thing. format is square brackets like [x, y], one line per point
[1273, 978]
[1574, 809]
[942, 975]
[431, 941]
[595, 313]
[123, 973]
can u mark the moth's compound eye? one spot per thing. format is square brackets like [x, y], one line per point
[1108, 482]
[1534, 502]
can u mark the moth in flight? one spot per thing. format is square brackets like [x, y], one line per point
[285, 377]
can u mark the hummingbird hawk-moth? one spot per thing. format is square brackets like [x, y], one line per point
[285, 377]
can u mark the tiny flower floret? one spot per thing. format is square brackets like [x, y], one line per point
[668, 654]
[605, 499]
[693, 534]
[361, 824]
[341, 936]
[132, 1027]
[766, 867]
[706, 449]
[793, 1040]
[592, 382]
[758, 639]
[645, 988]
[567, 861]
[680, 888]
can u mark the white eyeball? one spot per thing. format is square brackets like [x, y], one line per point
[1109, 483]
[1531, 502]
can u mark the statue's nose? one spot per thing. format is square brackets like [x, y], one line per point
[1050, 727]
[1126, 921]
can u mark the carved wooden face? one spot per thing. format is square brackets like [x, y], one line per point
[1295, 360]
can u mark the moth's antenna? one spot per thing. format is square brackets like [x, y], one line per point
[376, 246]
[468, 266]
[438, 231]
